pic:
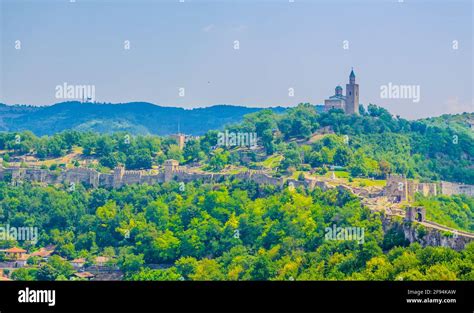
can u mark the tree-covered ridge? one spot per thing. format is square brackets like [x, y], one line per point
[136, 118]
[370, 145]
[230, 231]
[458, 122]
[411, 148]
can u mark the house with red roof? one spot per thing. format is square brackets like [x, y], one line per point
[78, 263]
[14, 253]
[43, 253]
[17, 255]
[84, 275]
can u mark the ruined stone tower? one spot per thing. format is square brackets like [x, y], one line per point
[171, 166]
[118, 176]
[415, 214]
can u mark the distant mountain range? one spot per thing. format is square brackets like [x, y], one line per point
[135, 117]
[141, 118]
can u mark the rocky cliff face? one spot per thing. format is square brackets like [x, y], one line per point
[425, 236]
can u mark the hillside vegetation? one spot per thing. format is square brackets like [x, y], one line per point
[371, 145]
[238, 230]
[454, 211]
[229, 231]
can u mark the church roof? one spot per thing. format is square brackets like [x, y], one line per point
[352, 73]
[337, 97]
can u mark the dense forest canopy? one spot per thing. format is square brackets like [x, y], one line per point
[233, 230]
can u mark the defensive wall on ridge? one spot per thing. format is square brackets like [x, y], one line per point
[398, 188]
[119, 177]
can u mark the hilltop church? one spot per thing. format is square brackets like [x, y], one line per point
[348, 103]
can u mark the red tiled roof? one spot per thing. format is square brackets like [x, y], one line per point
[84, 274]
[80, 260]
[15, 250]
[42, 252]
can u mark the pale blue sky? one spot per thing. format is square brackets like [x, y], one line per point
[282, 45]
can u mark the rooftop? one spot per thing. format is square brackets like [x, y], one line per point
[337, 97]
[84, 274]
[15, 250]
[42, 252]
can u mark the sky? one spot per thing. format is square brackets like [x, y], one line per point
[185, 53]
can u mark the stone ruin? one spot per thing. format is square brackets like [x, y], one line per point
[448, 188]
[120, 176]
[400, 189]
[415, 214]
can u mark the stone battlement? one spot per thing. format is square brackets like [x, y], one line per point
[400, 189]
[120, 176]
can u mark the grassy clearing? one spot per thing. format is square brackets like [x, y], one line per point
[365, 182]
[271, 162]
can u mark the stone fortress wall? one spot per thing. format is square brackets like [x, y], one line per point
[448, 188]
[119, 177]
[398, 188]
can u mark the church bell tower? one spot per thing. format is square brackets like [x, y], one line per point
[352, 95]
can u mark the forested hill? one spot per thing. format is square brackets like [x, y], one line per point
[377, 142]
[136, 118]
[459, 122]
